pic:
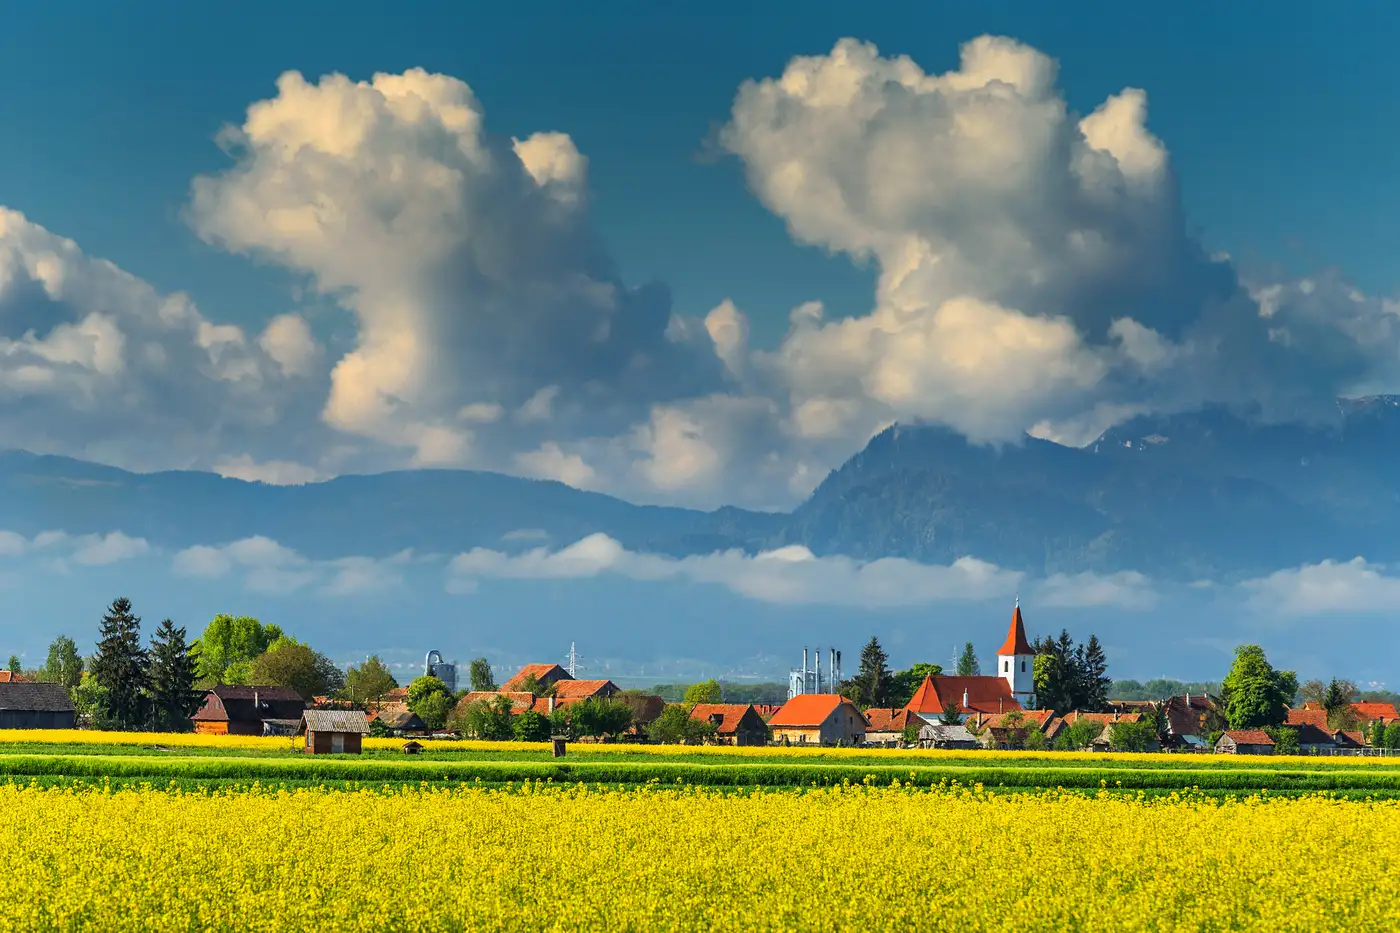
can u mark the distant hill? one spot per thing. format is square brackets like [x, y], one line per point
[1207, 494]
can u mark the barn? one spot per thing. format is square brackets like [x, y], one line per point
[26, 705]
[231, 709]
[333, 731]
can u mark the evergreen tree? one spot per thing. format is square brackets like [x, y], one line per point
[173, 673]
[873, 681]
[1094, 677]
[968, 665]
[1336, 700]
[119, 666]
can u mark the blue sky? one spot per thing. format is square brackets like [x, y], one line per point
[500, 325]
[1278, 119]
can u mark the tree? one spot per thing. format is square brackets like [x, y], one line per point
[1392, 735]
[14, 665]
[952, 714]
[873, 681]
[1336, 700]
[968, 665]
[64, 664]
[675, 726]
[1132, 736]
[120, 665]
[596, 717]
[1313, 691]
[707, 691]
[1094, 679]
[174, 698]
[289, 663]
[367, 683]
[1285, 739]
[1253, 693]
[531, 726]
[1078, 735]
[906, 682]
[531, 684]
[484, 719]
[1059, 674]
[229, 645]
[90, 703]
[482, 679]
[430, 699]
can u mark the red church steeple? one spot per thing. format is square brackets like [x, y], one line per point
[1016, 642]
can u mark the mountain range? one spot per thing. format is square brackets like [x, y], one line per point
[1209, 494]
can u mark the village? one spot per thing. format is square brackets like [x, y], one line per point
[547, 702]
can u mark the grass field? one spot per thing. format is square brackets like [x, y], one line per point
[162, 832]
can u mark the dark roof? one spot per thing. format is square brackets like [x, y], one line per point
[235, 703]
[31, 697]
[263, 693]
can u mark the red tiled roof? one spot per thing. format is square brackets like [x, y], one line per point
[520, 701]
[1074, 716]
[1355, 738]
[1040, 718]
[1016, 642]
[582, 689]
[810, 709]
[1369, 711]
[891, 720]
[986, 695]
[1250, 737]
[1317, 718]
[730, 715]
[541, 672]
[10, 677]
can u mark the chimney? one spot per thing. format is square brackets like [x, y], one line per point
[551, 705]
[256, 703]
[964, 699]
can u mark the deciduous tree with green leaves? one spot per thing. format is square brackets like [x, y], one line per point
[707, 691]
[531, 726]
[1337, 698]
[1253, 694]
[482, 680]
[675, 726]
[289, 663]
[64, 664]
[432, 701]
[368, 682]
[906, 682]
[229, 646]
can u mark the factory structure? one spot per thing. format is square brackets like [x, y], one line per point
[447, 673]
[810, 678]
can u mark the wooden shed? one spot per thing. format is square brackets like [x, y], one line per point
[1245, 742]
[333, 731]
[35, 706]
[232, 709]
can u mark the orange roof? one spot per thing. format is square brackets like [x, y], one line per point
[1075, 715]
[892, 720]
[1307, 717]
[541, 672]
[729, 715]
[1039, 718]
[1369, 711]
[583, 688]
[1250, 737]
[1016, 642]
[811, 709]
[520, 701]
[987, 695]
[9, 677]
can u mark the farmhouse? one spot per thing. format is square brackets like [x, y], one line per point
[937, 735]
[35, 706]
[735, 723]
[545, 675]
[332, 732]
[887, 725]
[237, 710]
[818, 719]
[575, 691]
[1314, 741]
[1245, 742]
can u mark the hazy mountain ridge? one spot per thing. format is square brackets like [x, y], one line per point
[1206, 494]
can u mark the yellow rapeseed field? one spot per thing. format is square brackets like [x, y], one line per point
[540, 858]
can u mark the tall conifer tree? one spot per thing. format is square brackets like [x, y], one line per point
[120, 666]
[173, 673]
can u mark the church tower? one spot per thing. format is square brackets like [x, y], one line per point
[1016, 661]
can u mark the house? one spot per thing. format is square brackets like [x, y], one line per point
[1317, 718]
[25, 705]
[1104, 740]
[1349, 742]
[1370, 712]
[402, 723]
[1245, 742]
[12, 677]
[735, 723]
[937, 735]
[968, 696]
[818, 719]
[575, 691]
[1190, 718]
[645, 711]
[887, 726]
[545, 676]
[332, 732]
[520, 701]
[231, 709]
[1314, 741]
